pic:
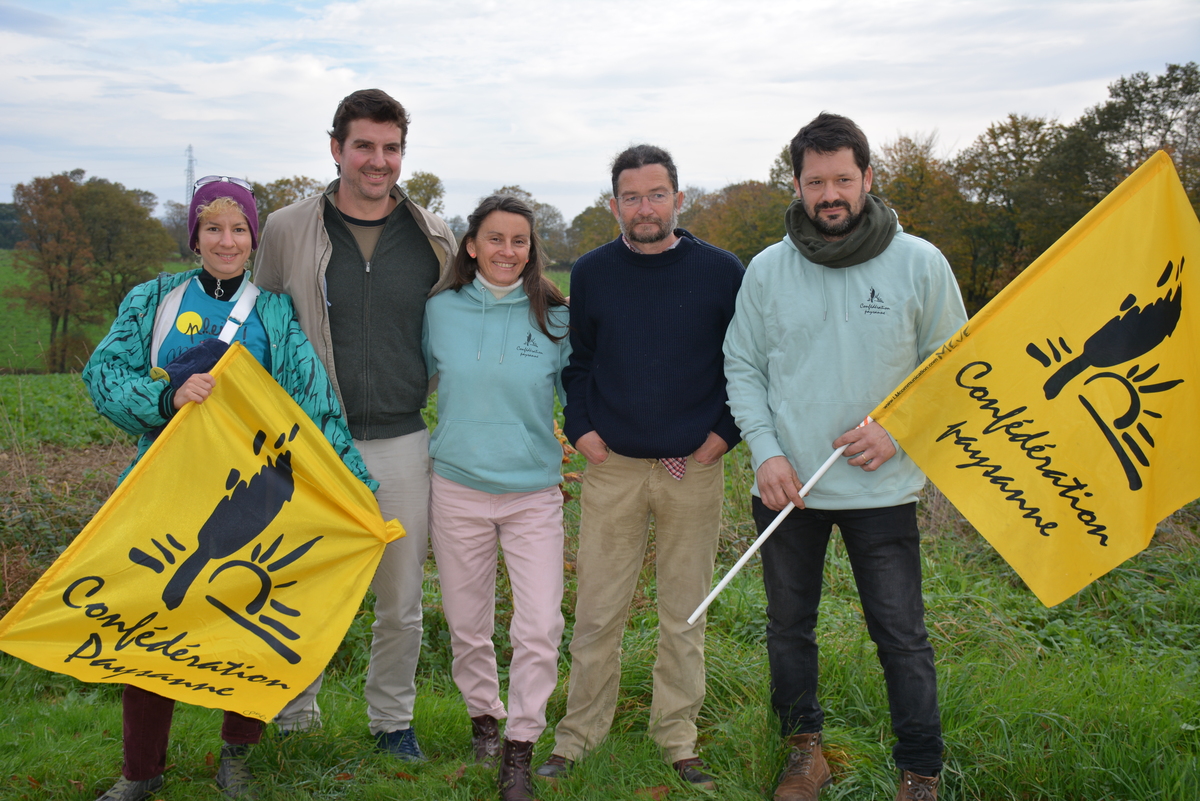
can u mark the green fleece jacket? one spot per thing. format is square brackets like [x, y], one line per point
[812, 350]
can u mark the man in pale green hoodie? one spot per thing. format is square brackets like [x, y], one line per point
[828, 322]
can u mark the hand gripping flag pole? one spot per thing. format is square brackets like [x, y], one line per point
[787, 510]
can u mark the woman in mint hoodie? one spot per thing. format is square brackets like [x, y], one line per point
[496, 337]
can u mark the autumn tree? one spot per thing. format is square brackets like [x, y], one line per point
[458, 227]
[426, 190]
[744, 218]
[1145, 114]
[10, 226]
[281, 192]
[781, 171]
[56, 258]
[594, 226]
[128, 245]
[175, 221]
[1000, 221]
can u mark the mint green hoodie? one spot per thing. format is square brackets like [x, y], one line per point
[812, 350]
[497, 375]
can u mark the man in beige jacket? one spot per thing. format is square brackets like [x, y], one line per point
[359, 261]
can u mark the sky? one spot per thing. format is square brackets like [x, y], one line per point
[541, 94]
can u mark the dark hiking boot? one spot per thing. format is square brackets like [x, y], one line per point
[233, 776]
[485, 740]
[401, 744]
[126, 790]
[914, 787]
[693, 771]
[806, 773]
[516, 782]
[554, 768]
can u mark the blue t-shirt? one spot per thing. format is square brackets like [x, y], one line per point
[201, 317]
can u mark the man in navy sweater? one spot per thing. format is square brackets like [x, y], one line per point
[647, 408]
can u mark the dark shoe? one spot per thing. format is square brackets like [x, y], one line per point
[485, 739]
[233, 777]
[554, 768]
[914, 787]
[126, 790]
[516, 784]
[806, 773]
[692, 772]
[401, 744]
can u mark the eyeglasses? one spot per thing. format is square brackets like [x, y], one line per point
[656, 199]
[212, 179]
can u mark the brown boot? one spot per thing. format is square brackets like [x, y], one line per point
[806, 772]
[516, 784]
[914, 787]
[485, 740]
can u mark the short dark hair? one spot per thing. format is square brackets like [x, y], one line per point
[829, 133]
[541, 291]
[638, 156]
[375, 105]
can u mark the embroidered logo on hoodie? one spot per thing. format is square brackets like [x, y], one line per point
[875, 304]
[529, 347]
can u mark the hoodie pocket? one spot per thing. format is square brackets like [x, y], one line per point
[501, 454]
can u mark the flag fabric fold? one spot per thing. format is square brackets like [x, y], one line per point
[1063, 419]
[227, 566]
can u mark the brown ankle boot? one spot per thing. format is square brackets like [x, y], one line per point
[485, 740]
[516, 784]
[914, 787]
[806, 772]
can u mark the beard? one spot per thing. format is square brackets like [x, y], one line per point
[663, 228]
[840, 229]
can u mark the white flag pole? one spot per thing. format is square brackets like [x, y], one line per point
[733, 571]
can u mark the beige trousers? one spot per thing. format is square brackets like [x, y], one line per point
[619, 496]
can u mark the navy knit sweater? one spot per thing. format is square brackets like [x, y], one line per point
[646, 370]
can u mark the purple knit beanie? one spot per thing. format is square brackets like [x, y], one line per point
[211, 191]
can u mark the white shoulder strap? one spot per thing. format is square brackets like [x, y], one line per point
[164, 318]
[241, 310]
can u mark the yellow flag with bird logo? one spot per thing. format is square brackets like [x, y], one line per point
[1064, 418]
[227, 566]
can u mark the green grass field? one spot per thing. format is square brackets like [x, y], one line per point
[24, 334]
[1097, 699]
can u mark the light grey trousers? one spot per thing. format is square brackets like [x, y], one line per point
[401, 466]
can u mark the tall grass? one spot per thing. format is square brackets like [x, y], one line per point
[1097, 699]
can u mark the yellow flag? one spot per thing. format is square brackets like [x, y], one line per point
[227, 566]
[1064, 419]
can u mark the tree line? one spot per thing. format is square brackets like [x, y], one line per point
[992, 208]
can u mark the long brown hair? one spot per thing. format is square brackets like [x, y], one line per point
[541, 291]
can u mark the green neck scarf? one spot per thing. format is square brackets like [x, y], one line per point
[869, 238]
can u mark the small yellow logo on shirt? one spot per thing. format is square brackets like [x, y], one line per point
[189, 323]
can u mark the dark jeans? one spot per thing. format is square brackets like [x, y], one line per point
[883, 545]
[147, 727]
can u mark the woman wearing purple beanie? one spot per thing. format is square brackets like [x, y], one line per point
[151, 363]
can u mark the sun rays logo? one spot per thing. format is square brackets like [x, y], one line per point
[1124, 340]
[238, 518]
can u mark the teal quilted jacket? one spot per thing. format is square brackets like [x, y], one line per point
[118, 373]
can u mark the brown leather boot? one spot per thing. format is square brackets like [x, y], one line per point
[516, 784]
[806, 772]
[914, 787]
[485, 739]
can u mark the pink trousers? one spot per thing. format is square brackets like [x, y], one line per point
[465, 528]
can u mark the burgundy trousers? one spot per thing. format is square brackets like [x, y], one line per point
[147, 728]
